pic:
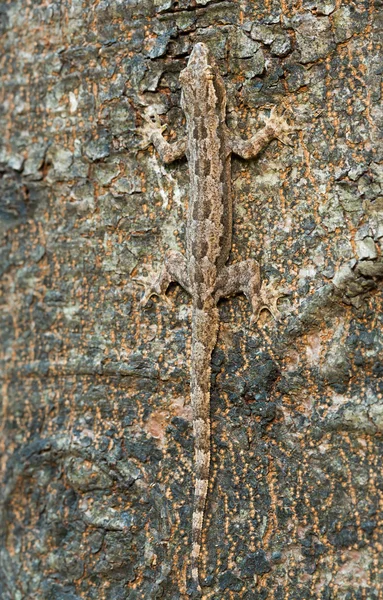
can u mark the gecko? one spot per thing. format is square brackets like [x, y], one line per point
[203, 272]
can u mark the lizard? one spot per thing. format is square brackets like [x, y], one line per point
[203, 272]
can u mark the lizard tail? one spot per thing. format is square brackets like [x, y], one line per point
[204, 337]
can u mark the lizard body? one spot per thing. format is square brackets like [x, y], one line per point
[203, 273]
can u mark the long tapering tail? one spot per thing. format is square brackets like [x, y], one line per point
[205, 325]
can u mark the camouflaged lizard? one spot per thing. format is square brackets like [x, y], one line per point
[203, 273]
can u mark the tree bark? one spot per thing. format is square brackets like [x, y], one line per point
[96, 434]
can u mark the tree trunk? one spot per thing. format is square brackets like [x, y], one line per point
[96, 443]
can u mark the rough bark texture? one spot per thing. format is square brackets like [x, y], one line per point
[96, 439]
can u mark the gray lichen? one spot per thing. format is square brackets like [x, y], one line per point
[96, 440]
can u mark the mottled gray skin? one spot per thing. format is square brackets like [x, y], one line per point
[203, 274]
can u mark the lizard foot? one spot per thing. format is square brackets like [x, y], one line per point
[151, 126]
[174, 269]
[267, 300]
[282, 130]
[155, 285]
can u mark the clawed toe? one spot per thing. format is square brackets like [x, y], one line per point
[154, 286]
[145, 298]
[148, 290]
[254, 318]
[267, 300]
[271, 309]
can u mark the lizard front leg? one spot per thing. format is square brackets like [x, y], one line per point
[173, 269]
[276, 127]
[245, 277]
[152, 134]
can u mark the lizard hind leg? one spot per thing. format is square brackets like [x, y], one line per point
[173, 269]
[245, 277]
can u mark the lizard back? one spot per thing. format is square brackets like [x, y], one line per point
[210, 209]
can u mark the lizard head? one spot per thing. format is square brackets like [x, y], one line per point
[201, 82]
[200, 59]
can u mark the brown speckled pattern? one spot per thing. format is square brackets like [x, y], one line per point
[208, 147]
[96, 442]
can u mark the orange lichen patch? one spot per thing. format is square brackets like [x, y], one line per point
[156, 425]
[45, 360]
